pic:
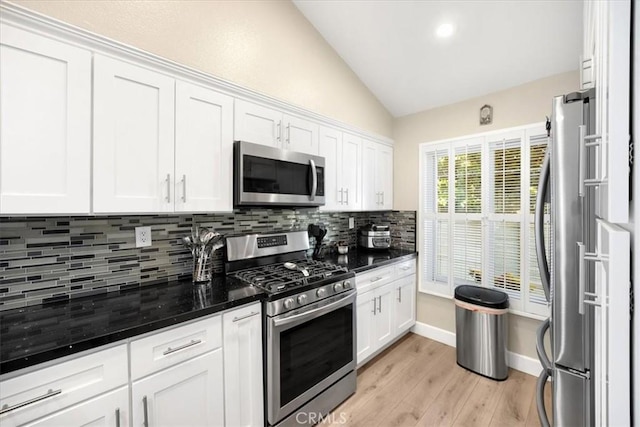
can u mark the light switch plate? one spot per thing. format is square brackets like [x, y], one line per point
[351, 223]
[143, 237]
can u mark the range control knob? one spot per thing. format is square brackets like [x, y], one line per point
[347, 284]
[288, 303]
[320, 293]
[302, 299]
[337, 287]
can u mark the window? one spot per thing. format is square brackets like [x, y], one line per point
[477, 201]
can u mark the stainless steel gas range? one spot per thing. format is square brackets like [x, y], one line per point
[309, 325]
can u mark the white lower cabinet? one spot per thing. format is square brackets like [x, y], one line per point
[385, 308]
[108, 410]
[207, 372]
[375, 321]
[405, 302]
[187, 394]
[243, 379]
[42, 393]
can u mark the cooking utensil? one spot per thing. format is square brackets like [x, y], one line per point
[294, 266]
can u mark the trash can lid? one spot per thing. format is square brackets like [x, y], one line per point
[484, 297]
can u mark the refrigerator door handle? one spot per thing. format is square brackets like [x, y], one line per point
[542, 354]
[542, 411]
[582, 294]
[543, 265]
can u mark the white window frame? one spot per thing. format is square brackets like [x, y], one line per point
[522, 306]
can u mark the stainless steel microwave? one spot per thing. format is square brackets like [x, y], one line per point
[265, 176]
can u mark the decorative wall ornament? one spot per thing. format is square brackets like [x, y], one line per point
[486, 114]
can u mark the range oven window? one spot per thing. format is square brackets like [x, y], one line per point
[312, 351]
[263, 175]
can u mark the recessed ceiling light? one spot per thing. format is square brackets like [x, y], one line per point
[445, 30]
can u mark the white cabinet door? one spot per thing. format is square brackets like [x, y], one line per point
[377, 176]
[133, 138]
[385, 315]
[107, 410]
[257, 124]
[330, 145]
[300, 135]
[243, 380]
[188, 394]
[612, 356]
[384, 176]
[405, 309]
[609, 33]
[204, 150]
[365, 321]
[370, 192]
[351, 171]
[45, 136]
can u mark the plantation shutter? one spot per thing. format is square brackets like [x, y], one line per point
[435, 214]
[467, 214]
[504, 234]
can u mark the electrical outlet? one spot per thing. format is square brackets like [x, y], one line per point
[143, 237]
[351, 223]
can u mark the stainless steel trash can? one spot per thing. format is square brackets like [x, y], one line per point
[481, 330]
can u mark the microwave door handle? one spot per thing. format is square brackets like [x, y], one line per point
[314, 179]
[543, 188]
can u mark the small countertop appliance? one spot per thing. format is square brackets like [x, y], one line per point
[373, 236]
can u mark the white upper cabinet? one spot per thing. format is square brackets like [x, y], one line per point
[330, 147]
[133, 138]
[257, 124]
[204, 149]
[350, 166]
[266, 126]
[300, 135]
[606, 67]
[343, 169]
[140, 165]
[384, 176]
[377, 176]
[45, 137]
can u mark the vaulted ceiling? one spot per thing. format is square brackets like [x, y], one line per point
[393, 48]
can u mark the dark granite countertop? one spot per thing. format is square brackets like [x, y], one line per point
[359, 260]
[40, 333]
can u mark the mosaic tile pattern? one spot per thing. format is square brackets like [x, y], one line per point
[49, 259]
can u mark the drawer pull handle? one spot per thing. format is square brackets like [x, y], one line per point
[405, 268]
[182, 347]
[145, 423]
[375, 279]
[246, 316]
[117, 417]
[6, 408]
[399, 295]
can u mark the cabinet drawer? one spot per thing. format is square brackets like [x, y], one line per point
[59, 386]
[374, 278]
[175, 345]
[406, 268]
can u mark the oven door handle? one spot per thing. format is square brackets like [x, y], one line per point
[312, 314]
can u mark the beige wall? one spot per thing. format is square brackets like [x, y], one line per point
[521, 105]
[267, 46]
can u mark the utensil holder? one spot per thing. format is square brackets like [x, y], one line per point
[202, 267]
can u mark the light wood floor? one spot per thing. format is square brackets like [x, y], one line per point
[417, 382]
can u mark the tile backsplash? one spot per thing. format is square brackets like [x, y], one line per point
[48, 259]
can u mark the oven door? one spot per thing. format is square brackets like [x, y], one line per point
[307, 351]
[270, 176]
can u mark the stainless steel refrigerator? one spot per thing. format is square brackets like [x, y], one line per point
[566, 205]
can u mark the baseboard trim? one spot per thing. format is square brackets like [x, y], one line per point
[516, 361]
